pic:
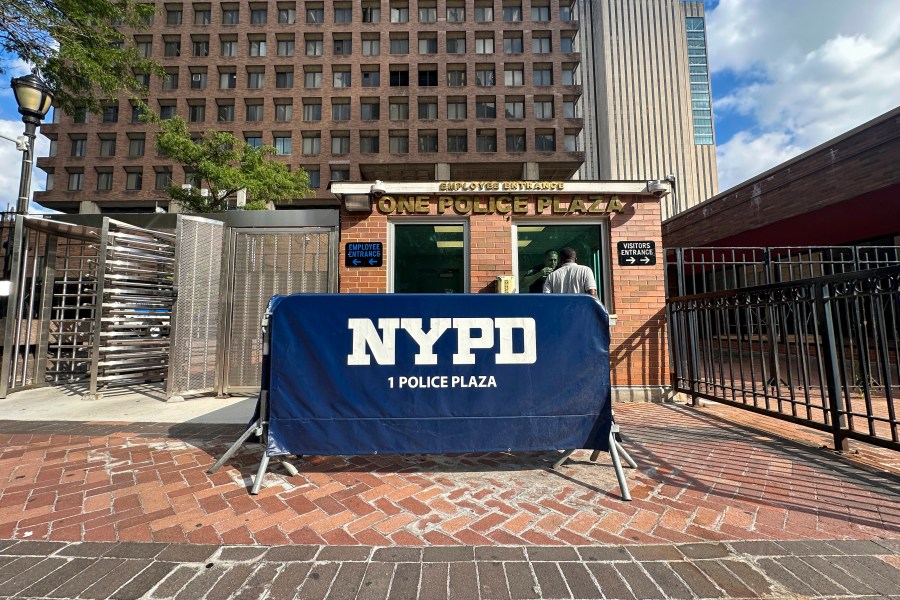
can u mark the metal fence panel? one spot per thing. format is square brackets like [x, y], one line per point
[195, 315]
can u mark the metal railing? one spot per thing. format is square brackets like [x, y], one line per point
[822, 351]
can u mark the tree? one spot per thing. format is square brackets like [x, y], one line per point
[78, 47]
[224, 164]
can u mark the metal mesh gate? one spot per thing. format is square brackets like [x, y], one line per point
[195, 317]
[265, 263]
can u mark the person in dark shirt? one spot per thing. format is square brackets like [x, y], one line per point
[534, 278]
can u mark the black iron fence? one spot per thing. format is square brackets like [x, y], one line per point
[820, 351]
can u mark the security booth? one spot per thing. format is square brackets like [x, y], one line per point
[492, 236]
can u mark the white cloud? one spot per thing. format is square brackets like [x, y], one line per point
[813, 69]
[11, 166]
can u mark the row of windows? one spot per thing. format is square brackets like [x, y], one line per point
[370, 44]
[341, 77]
[369, 143]
[370, 12]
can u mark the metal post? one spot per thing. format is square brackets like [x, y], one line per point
[98, 309]
[835, 398]
[25, 178]
[12, 301]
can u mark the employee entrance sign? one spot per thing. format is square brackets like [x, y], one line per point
[636, 254]
[364, 254]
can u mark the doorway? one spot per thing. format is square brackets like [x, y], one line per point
[429, 258]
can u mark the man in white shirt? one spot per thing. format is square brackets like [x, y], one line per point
[571, 278]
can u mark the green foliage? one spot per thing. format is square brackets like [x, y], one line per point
[78, 47]
[224, 164]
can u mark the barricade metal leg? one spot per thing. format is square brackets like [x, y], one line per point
[255, 428]
[617, 465]
[562, 459]
[257, 481]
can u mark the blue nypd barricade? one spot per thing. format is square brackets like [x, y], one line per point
[433, 373]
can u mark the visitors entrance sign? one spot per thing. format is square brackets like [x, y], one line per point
[364, 254]
[637, 254]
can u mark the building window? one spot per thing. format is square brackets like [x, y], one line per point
[257, 46]
[135, 147]
[225, 113]
[398, 142]
[172, 48]
[285, 46]
[368, 142]
[79, 115]
[457, 141]
[340, 143]
[228, 47]
[340, 110]
[428, 43]
[258, 16]
[428, 141]
[570, 142]
[230, 16]
[256, 79]
[456, 109]
[400, 77]
[111, 113]
[486, 109]
[699, 79]
[371, 76]
[312, 111]
[399, 43]
[166, 111]
[196, 113]
[515, 108]
[370, 110]
[514, 76]
[104, 180]
[456, 45]
[484, 45]
[314, 46]
[170, 81]
[456, 14]
[198, 81]
[486, 141]
[540, 44]
[287, 16]
[200, 48]
[484, 13]
[76, 181]
[227, 80]
[343, 14]
[284, 80]
[545, 142]
[371, 46]
[315, 177]
[399, 13]
[543, 75]
[570, 109]
[428, 108]
[282, 144]
[543, 108]
[312, 79]
[570, 75]
[341, 79]
[512, 13]
[567, 12]
[343, 46]
[512, 43]
[428, 76]
[144, 48]
[284, 111]
[456, 76]
[253, 140]
[399, 109]
[254, 112]
[108, 146]
[515, 141]
[134, 180]
[566, 43]
[163, 178]
[340, 174]
[54, 147]
[540, 14]
[173, 16]
[484, 76]
[315, 14]
[79, 145]
[371, 13]
[427, 14]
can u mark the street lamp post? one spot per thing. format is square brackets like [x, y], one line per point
[34, 97]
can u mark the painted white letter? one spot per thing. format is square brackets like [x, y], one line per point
[464, 329]
[528, 355]
[364, 334]
[426, 341]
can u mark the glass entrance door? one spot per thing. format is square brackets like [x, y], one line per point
[538, 245]
[429, 258]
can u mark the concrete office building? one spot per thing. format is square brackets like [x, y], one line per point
[406, 90]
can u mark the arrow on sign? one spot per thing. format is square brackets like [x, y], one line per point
[630, 260]
[645, 260]
[355, 261]
[372, 261]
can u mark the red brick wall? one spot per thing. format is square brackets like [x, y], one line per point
[638, 348]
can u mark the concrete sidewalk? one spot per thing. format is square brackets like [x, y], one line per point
[726, 504]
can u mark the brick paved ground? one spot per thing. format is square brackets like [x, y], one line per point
[699, 479]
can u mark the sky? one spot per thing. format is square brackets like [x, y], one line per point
[787, 75]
